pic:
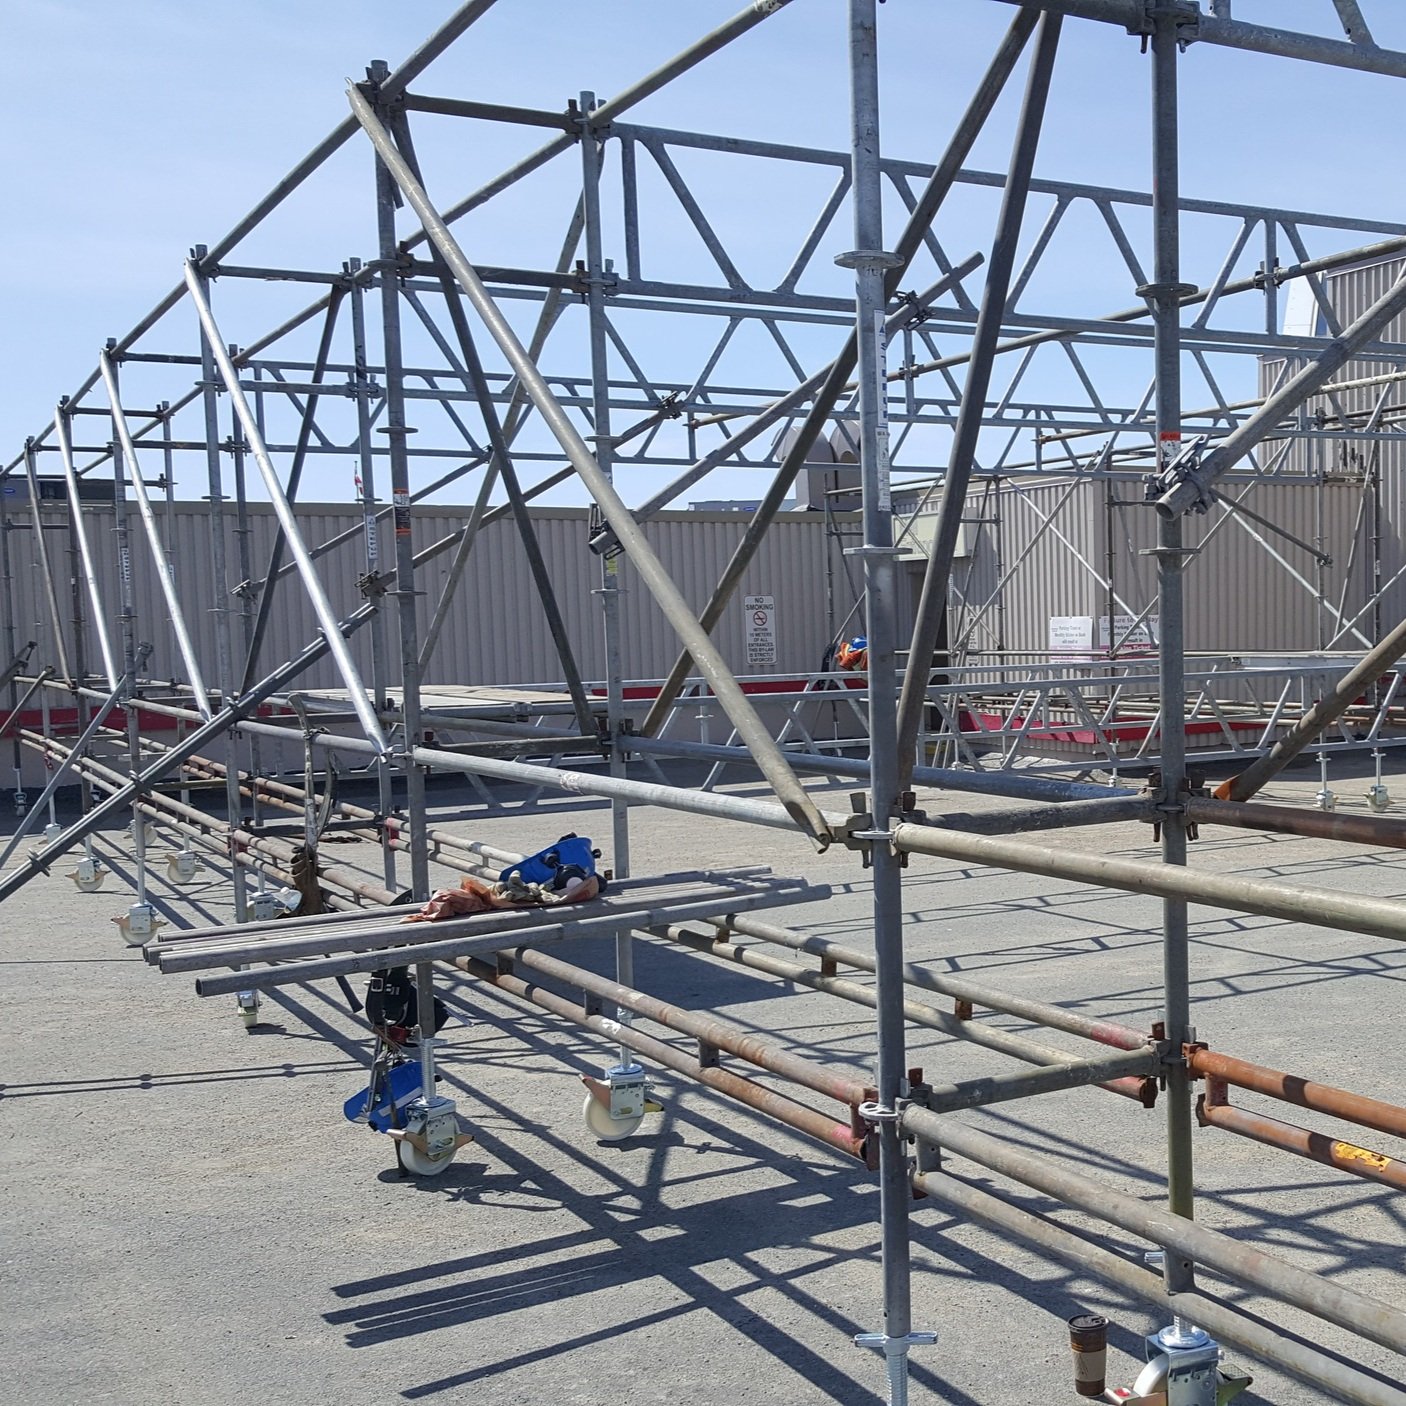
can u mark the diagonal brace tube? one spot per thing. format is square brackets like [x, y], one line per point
[1189, 491]
[41, 552]
[1326, 711]
[85, 551]
[743, 716]
[909, 241]
[64, 767]
[326, 616]
[153, 536]
[932, 605]
[169, 761]
[35, 685]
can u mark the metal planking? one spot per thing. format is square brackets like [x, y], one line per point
[495, 633]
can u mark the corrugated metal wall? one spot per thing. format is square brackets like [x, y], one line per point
[1350, 293]
[1238, 597]
[495, 633]
[1004, 527]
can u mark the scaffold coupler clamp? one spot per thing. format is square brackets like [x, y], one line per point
[861, 832]
[1169, 1055]
[1179, 485]
[1167, 805]
[918, 312]
[1186, 13]
[927, 1155]
[869, 1116]
[619, 739]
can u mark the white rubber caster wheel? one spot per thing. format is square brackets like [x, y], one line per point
[603, 1126]
[88, 877]
[420, 1164]
[1153, 1377]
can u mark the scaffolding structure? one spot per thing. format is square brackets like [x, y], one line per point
[453, 353]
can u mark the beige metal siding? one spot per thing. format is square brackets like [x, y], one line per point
[1239, 598]
[495, 633]
[1050, 581]
[1350, 293]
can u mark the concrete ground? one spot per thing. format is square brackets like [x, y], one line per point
[188, 1216]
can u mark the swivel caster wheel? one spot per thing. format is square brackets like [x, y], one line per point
[603, 1126]
[421, 1164]
[431, 1137]
[90, 875]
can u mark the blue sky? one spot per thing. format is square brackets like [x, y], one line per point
[140, 128]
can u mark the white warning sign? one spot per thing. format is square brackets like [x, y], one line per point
[1071, 634]
[760, 617]
[1130, 634]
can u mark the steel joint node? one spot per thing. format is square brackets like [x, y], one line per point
[869, 259]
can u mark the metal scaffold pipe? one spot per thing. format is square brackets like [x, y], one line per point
[1140, 1090]
[1375, 831]
[46, 572]
[76, 517]
[1368, 1317]
[1338, 699]
[447, 948]
[204, 951]
[1067, 802]
[1342, 1380]
[317, 595]
[925, 211]
[1105, 1032]
[1328, 908]
[575, 782]
[159, 557]
[1164, 296]
[661, 585]
[871, 264]
[931, 614]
